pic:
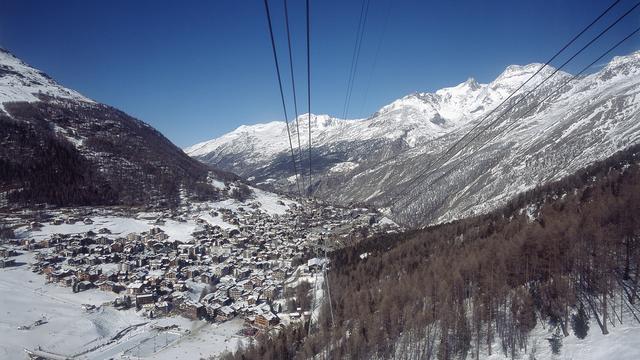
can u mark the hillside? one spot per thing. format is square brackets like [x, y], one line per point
[559, 263]
[61, 148]
[374, 160]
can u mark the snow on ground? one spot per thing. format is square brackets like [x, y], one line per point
[119, 226]
[269, 202]
[26, 298]
[216, 221]
[344, 166]
[70, 330]
[316, 280]
[22, 83]
[205, 340]
[386, 221]
[621, 343]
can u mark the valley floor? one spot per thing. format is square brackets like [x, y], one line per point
[69, 329]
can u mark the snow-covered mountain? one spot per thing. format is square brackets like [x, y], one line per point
[20, 82]
[60, 147]
[373, 160]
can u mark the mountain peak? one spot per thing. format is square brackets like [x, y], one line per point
[462, 89]
[617, 61]
[516, 75]
[514, 69]
[472, 83]
[317, 120]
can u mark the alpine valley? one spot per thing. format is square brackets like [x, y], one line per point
[396, 159]
[99, 211]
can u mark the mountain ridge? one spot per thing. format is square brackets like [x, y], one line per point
[368, 160]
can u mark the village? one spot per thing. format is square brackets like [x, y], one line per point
[238, 262]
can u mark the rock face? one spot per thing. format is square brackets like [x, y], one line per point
[388, 160]
[61, 148]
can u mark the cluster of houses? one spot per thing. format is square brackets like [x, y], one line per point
[6, 259]
[219, 273]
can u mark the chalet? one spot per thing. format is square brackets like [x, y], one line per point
[92, 275]
[144, 299]
[246, 285]
[253, 299]
[162, 307]
[82, 286]
[4, 252]
[35, 225]
[279, 275]
[6, 262]
[212, 310]
[57, 275]
[110, 286]
[117, 247]
[220, 270]
[222, 300]
[192, 310]
[270, 292]
[135, 288]
[207, 278]
[192, 272]
[225, 313]
[124, 267]
[171, 275]
[266, 320]
[108, 276]
[236, 292]
[208, 299]
[134, 237]
[69, 281]
[241, 273]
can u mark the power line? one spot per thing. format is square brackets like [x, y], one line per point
[509, 127]
[452, 147]
[309, 89]
[284, 105]
[377, 53]
[293, 83]
[355, 66]
[584, 69]
[364, 11]
[484, 118]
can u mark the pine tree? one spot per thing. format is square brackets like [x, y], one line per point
[555, 341]
[580, 323]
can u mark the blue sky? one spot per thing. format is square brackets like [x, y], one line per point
[198, 69]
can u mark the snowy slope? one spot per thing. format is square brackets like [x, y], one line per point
[20, 82]
[620, 343]
[373, 159]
